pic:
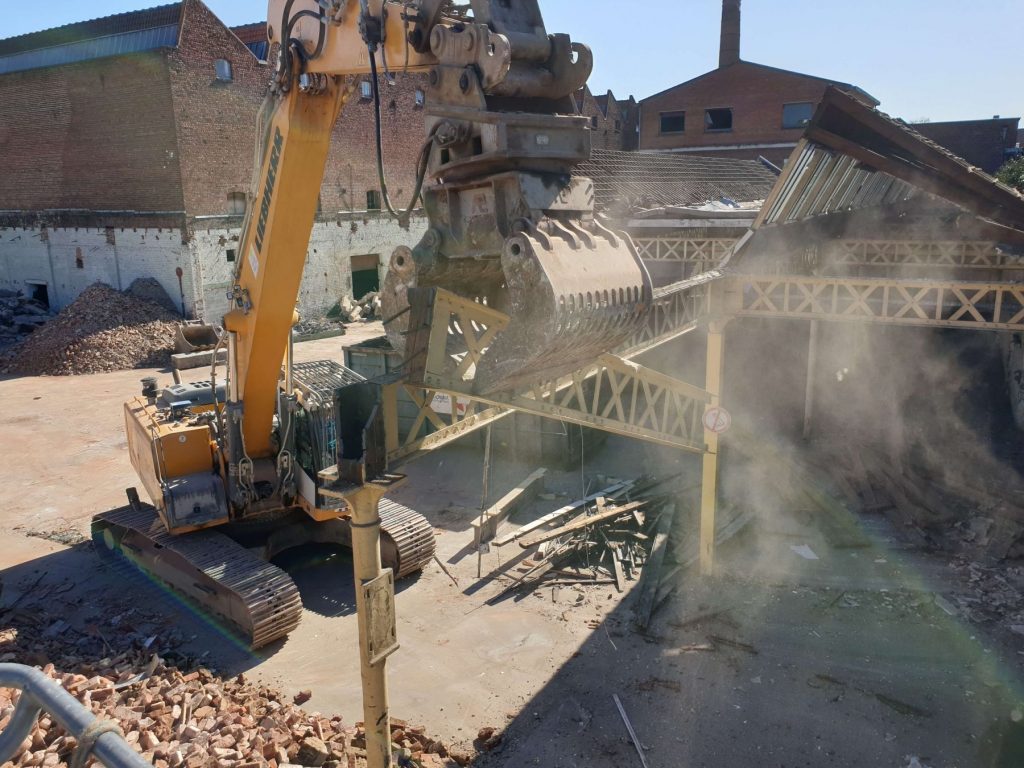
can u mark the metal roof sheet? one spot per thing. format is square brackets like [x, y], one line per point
[853, 157]
[108, 36]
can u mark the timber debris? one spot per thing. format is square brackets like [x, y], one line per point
[627, 532]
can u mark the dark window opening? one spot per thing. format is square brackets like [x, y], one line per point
[372, 200]
[673, 122]
[478, 145]
[230, 254]
[618, 125]
[236, 203]
[40, 293]
[223, 69]
[593, 121]
[79, 261]
[718, 120]
[797, 115]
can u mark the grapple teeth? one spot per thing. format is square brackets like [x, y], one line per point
[574, 296]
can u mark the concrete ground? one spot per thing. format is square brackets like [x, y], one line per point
[845, 660]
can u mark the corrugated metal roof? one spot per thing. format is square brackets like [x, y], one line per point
[630, 180]
[108, 36]
[254, 36]
[853, 157]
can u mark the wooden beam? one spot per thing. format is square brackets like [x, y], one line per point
[579, 524]
[487, 527]
[558, 514]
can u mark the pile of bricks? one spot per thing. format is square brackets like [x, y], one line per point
[102, 330]
[196, 719]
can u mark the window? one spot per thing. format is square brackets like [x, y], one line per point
[718, 120]
[372, 200]
[236, 203]
[673, 122]
[366, 90]
[593, 121]
[230, 252]
[223, 68]
[797, 115]
[618, 126]
[421, 97]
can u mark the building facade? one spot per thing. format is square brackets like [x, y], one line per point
[740, 110]
[614, 123]
[986, 144]
[129, 147]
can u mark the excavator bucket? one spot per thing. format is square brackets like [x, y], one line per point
[195, 337]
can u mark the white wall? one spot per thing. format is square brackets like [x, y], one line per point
[49, 256]
[69, 259]
[327, 277]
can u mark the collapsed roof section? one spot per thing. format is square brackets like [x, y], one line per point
[625, 182]
[852, 157]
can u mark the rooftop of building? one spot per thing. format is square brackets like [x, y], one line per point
[855, 90]
[631, 180]
[113, 35]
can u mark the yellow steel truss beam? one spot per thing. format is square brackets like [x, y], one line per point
[611, 394]
[936, 303]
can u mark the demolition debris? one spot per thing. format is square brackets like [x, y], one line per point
[102, 330]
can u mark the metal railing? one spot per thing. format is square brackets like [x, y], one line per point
[100, 738]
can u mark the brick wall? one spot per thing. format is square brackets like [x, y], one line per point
[216, 120]
[612, 122]
[983, 143]
[97, 135]
[351, 164]
[756, 95]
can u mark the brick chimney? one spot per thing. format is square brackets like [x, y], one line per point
[729, 53]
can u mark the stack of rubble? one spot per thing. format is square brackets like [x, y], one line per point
[102, 330]
[366, 309]
[196, 719]
[177, 716]
[19, 317]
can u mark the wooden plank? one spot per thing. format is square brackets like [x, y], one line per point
[487, 527]
[558, 514]
[617, 568]
[651, 575]
[579, 524]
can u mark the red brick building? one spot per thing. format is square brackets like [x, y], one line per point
[129, 142]
[155, 111]
[740, 110]
[614, 123]
[986, 144]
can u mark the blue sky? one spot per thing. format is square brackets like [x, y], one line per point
[937, 59]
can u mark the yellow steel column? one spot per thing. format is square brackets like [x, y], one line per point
[389, 404]
[709, 473]
[367, 566]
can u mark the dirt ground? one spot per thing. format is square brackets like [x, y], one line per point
[779, 660]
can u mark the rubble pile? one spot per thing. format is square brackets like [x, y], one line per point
[102, 330]
[196, 719]
[19, 316]
[366, 309]
[182, 716]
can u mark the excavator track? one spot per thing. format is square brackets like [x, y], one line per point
[407, 539]
[256, 599]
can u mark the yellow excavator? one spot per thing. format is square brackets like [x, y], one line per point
[510, 226]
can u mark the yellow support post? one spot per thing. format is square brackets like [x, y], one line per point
[375, 612]
[709, 473]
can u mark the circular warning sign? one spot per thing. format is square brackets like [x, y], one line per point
[717, 419]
